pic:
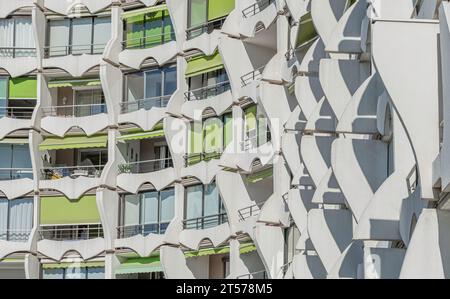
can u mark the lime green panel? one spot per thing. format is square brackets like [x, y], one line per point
[140, 265]
[203, 64]
[169, 34]
[228, 129]
[205, 252]
[140, 12]
[219, 8]
[259, 176]
[247, 248]
[60, 210]
[23, 88]
[212, 135]
[250, 118]
[56, 143]
[72, 83]
[75, 264]
[195, 138]
[198, 12]
[306, 31]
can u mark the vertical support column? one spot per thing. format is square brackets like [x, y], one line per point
[238, 128]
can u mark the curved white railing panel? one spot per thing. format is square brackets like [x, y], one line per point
[71, 188]
[173, 262]
[161, 54]
[59, 126]
[9, 125]
[322, 118]
[429, 248]
[144, 119]
[19, 66]
[349, 263]
[191, 238]
[16, 188]
[266, 17]
[360, 169]
[311, 61]
[418, 83]
[131, 182]
[299, 203]
[346, 36]
[328, 190]
[383, 263]
[290, 143]
[331, 232]
[76, 66]
[269, 243]
[56, 250]
[308, 267]
[8, 247]
[360, 115]
[219, 103]
[316, 154]
[298, 8]
[309, 92]
[204, 171]
[325, 15]
[206, 42]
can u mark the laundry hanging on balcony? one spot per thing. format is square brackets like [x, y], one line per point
[140, 265]
[58, 210]
[73, 83]
[73, 142]
[203, 64]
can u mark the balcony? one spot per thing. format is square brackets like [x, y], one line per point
[129, 231]
[7, 174]
[15, 52]
[145, 166]
[207, 92]
[192, 159]
[17, 112]
[146, 104]
[148, 41]
[207, 27]
[205, 222]
[71, 232]
[56, 173]
[256, 8]
[252, 76]
[15, 235]
[58, 51]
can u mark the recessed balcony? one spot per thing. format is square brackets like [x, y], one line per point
[17, 37]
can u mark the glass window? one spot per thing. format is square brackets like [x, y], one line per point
[59, 37]
[149, 208]
[75, 273]
[81, 35]
[102, 34]
[212, 203]
[167, 205]
[96, 273]
[198, 12]
[170, 80]
[53, 273]
[4, 207]
[194, 203]
[24, 37]
[135, 86]
[131, 207]
[153, 84]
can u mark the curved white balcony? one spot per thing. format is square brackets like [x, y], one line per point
[13, 119]
[192, 237]
[349, 262]
[145, 113]
[16, 182]
[134, 56]
[64, 7]
[325, 15]
[58, 120]
[259, 15]
[18, 61]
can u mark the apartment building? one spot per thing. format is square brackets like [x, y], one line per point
[250, 139]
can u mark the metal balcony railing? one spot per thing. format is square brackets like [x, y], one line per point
[205, 222]
[148, 41]
[207, 92]
[248, 212]
[17, 112]
[145, 166]
[55, 51]
[254, 275]
[207, 27]
[74, 110]
[15, 235]
[71, 232]
[256, 8]
[254, 75]
[191, 159]
[13, 52]
[129, 231]
[7, 174]
[55, 173]
[147, 104]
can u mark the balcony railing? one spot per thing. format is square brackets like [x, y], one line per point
[74, 110]
[148, 41]
[7, 174]
[71, 232]
[256, 8]
[207, 92]
[12, 52]
[15, 235]
[55, 173]
[248, 212]
[129, 231]
[205, 222]
[207, 27]
[255, 275]
[16, 112]
[55, 51]
[254, 75]
[191, 159]
[147, 104]
[145, 166]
